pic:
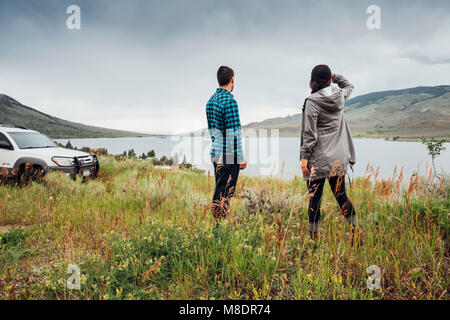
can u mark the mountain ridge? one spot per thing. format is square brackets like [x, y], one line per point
[14, 113]
[409, 113]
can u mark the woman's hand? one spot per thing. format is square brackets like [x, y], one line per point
[305, 169]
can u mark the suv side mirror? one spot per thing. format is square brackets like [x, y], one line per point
[6, 145]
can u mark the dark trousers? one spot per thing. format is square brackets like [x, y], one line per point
[315, 189]
[226, 179]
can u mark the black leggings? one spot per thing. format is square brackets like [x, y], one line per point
[315, 189]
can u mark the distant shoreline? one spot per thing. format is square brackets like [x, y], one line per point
[400, 139]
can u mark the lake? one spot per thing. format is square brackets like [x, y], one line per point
[278, 157]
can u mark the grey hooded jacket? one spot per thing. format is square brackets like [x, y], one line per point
[326, 140]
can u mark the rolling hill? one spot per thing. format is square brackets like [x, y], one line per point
[407, 114]
[14, 113]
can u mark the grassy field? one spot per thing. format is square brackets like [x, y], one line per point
[139, 232]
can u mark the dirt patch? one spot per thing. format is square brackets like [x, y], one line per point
[4, 229]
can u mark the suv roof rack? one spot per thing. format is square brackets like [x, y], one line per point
[7, 125]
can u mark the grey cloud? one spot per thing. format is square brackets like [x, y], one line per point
[429, 60]
[150, 65]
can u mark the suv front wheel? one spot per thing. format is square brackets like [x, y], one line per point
[29, 172]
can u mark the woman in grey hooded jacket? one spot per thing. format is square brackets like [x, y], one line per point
[326, 144]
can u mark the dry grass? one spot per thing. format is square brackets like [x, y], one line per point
[138, 232]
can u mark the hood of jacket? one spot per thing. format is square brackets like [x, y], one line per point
[330, 98]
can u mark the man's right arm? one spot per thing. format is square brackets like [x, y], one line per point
[233, 129]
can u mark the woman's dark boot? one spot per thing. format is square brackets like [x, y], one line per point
[314, 235]
[314, 230]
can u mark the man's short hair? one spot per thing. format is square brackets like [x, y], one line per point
[224, 75]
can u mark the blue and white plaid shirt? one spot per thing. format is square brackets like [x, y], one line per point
[224, 126]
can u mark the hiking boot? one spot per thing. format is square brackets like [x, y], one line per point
[314, 235]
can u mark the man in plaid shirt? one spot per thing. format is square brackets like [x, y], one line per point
[224, 126]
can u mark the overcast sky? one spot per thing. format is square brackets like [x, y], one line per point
[150, 66]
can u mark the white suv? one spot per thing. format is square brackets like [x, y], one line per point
[25, 154]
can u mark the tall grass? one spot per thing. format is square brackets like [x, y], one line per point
[139, 232]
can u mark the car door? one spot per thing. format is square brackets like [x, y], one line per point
[7, 156]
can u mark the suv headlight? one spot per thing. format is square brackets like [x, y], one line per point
[63, 161]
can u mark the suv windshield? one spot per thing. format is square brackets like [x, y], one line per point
[32, 140]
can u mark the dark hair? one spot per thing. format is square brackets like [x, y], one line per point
[320, 77]
[224, 75]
